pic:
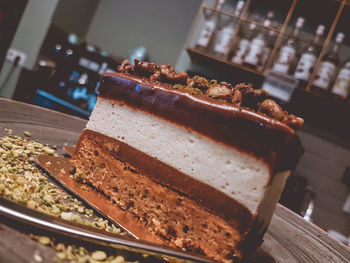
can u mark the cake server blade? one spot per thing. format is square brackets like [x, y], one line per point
[51, 224]
[59, 167]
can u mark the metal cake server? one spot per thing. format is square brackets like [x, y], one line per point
[58, 168]
[32, 218]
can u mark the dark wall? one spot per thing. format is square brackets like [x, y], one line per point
[75, 15]
[10, 14]
[161, 26]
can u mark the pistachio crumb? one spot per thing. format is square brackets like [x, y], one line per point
[61, 255]
[118, 259]
[27, 133]
[49, 150]
[99, 255]
[37, 257]
[44, 240]
[85, 188]
[22, 182]
[79, 177]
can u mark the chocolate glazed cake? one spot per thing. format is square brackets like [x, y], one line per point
[200, 164]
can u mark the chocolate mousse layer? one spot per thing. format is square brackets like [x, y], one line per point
[256, 134]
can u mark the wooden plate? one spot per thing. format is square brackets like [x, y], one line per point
[289, 238]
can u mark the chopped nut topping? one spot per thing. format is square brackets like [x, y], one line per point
[126, 67]
[145, 68]
[164, 73]
[220, 91]
[241, 95]
[271, 108]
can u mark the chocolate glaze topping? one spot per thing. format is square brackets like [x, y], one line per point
[263, 137]
[241, 95]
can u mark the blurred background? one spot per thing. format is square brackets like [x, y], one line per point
[53, 53]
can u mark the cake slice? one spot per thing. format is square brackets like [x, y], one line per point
[198, 163]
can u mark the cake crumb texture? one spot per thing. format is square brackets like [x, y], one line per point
[239, 175]
[175, 218]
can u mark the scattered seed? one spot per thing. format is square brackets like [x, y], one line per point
[37, 257]
[27, 133]
[61, 255]
[79, 177]
[67, 216]
[99, 255]
[85, 188]
[21, 181]
[49, 150]
[44, 240]
[118, 259]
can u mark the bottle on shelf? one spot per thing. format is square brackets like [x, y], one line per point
[341, 87]
[210, 24]
[244, 44]
[288, 51]
[327, 69]
[222, 42]
[270, 41]
[308, 58]
[258, 43]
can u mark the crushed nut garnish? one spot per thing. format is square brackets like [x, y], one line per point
[22, 182]
[79, 254]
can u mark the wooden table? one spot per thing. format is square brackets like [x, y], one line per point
[289, 238]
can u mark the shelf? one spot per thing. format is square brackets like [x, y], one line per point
[322, 113]
[241, 18]
[347, 2]
[220, 64]
[278, 30]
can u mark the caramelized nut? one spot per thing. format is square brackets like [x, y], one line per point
[272, 109]
[237, 97]
[219, 91]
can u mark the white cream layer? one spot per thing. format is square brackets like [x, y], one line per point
[239, 175]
